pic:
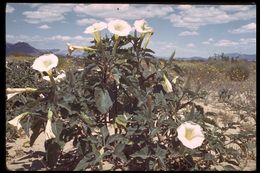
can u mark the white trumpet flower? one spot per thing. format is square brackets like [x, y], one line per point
[14, 91]
[17, 120]
[95, 30]
[95, 27]
[142, 26]
[48, 131]
[72, 48]
[190, 134]
[45, 62]
[119, 27]
[167, 86]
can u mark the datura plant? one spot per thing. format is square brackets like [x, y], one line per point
[125, 110]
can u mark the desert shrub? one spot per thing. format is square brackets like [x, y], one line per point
[125, 109]
[238, 72]
[224, 94]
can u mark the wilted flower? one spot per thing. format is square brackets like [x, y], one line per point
[119, 27]
[167, 86]
[142, 27]
[190, 134]
[13, 91]
[174, 80]
[59, 78]
[45, 62]
[72, 48]
[16, 121]
[48, 131]
[95, 30]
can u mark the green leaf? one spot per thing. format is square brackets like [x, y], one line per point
[171, 58]
[83, 164]
[154, 131]
[86, 118]
[116, 74]
[118, 152]
[143, 153]
[208, 156]
[210, 121]
[119, 148]
[104, 132]
[114, 137]
[149, 50]
[121, 120]
[26, 124]
[57, 127]
[36, 129]
[160, 152]
[103, 100]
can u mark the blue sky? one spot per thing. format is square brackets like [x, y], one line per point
[190, 30]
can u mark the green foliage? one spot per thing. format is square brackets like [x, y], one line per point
[116, 111]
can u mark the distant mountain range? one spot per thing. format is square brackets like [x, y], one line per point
[249, 57]
[24, 48]
[192, 58]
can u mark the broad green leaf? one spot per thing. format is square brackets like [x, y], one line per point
[57, 127]
[36, 129]
[160, 152]
[103, 100]
[154, 131]
[26, 124]
[84, 163]
[118, 152]
[171, 58]
[104, 132]
[143, 153]
[114, 137]
[116, 74]
[86, 118]
[149, 50]
[121, 120]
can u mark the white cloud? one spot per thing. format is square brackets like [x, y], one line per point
[8, 36]
[184, 7]
[209, 41]
[34, 5]
[188, 33]
[123, 11]
[198, 16]
[205, 42]
[67, 38]
[44, 27]
[165, 49]
[247, 41]
[226, 43]
[88, 21]
[190, 45]
[47, 13]
[251, 27]
[9, 9]
[24, 38]
[232, 8]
